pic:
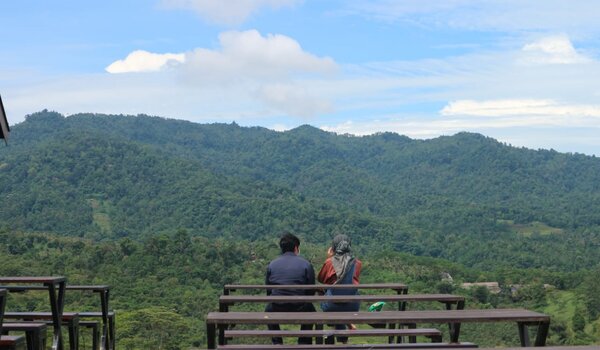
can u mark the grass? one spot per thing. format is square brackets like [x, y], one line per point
[531, 228]
[99, 215]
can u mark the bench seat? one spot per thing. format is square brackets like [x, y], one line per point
[35, 333]
[10, 342]
[434, 334]
[348, 346]
[70, 319]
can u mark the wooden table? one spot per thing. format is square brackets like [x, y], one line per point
[56, 293]
[523, 318]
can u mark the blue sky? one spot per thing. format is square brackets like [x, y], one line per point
[524, 72]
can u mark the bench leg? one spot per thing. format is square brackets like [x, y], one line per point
[211, 336]
[391, 338]
[73, 336]
[221, 334]
[94, 338]
[436, 338]
[111, 332]
[319, 340]
[523, 334]
[454, 329]
[412, 339]
[542, 334]
[42, 344]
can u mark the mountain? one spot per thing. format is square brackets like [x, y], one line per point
[465, 197]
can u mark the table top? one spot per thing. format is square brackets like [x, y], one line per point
[13, 288]
[37, 279]
[224, 299]
[445, 316]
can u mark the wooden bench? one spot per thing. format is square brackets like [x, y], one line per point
[11, 342]
[400, 288]
[448, 299]
[93, 326]
[69, 319]
[35, 333]
[523, 318]
[107, 338]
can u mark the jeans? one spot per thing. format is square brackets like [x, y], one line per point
[290, 307]
[335, 307]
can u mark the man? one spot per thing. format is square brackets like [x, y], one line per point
[289, 268]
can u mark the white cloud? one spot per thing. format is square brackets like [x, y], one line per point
[248, 55]
[271, 69]
[524, 108]
[575, 16]
[144, 61]
[553, 50]
[230, 12]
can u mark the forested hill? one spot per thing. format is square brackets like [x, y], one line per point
[465, 197]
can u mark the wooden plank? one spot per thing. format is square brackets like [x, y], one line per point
[37, 279]
[35, 333]
[98, 288]
[322, 333]
[447, 316]
[67, 316]
[11, 342]
[351, 346]
[392, 286]
[579, 347]
[232, 299]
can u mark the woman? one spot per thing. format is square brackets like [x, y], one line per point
[341, 267]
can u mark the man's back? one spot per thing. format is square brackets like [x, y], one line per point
[289, 268]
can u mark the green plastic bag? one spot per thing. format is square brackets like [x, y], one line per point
[377, 306]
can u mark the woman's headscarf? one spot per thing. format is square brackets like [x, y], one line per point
[342, 260]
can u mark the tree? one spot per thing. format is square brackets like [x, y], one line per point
[152, 328]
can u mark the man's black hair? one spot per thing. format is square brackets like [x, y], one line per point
[288, 242]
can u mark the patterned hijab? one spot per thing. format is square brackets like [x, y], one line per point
[342, 260]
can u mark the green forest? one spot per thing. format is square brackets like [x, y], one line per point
[167, 211]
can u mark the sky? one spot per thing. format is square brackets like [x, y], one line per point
[525, 72]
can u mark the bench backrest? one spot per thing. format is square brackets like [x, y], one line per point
[398, 287]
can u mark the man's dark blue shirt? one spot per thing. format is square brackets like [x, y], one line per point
[289, 268]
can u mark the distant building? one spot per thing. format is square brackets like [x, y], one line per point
[493, 287]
